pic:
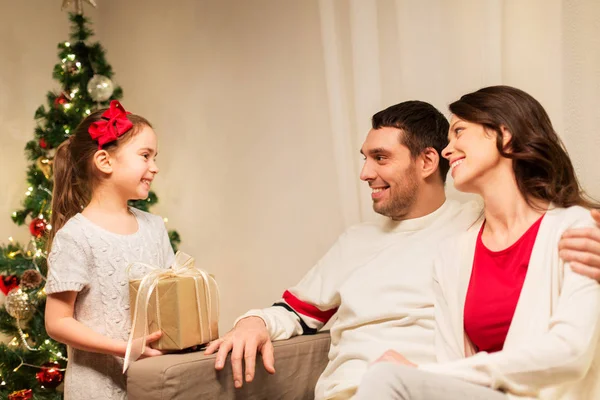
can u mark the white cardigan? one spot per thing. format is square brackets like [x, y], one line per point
[550, 351]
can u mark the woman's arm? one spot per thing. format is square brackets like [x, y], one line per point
[61, 326]
[566, 351]
[447, 343]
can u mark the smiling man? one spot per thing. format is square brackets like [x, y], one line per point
[377, 277]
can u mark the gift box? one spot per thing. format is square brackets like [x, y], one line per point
[182, 302]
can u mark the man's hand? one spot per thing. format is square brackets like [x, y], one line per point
[249, 335]
[395, 357]
[581, 248]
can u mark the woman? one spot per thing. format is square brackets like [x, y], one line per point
[512, 319]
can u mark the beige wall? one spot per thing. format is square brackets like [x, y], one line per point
[236, 92]
[237, 97]
[261, 105]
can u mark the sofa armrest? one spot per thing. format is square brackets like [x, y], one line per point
[299, 362]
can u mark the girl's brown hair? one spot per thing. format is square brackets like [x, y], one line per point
[74, 171]
[541, 165]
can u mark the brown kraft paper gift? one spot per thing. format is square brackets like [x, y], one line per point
[181, 301]
[174, 309]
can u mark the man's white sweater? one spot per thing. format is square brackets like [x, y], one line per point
[377, 280]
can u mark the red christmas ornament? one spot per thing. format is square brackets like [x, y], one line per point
[24, 394]
[43, 143]
[37, 227]
[50, 376]
[61, 100]
[7, 283]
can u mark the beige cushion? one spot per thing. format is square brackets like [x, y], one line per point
[298, 363]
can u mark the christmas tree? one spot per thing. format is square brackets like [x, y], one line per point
[32, 364]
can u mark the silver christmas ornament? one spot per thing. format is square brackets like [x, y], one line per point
[78, 5]
[100, 88]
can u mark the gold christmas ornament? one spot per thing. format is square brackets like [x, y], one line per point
[45, 165]
[78, 5]
[17, 304]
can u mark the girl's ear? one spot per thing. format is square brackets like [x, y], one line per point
[103, 162]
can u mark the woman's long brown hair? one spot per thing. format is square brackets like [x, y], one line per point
[74, 171]
[541, 164]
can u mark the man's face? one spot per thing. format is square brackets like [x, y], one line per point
[390, 172]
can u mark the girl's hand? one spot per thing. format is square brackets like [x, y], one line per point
[395, 357]
[149, 351]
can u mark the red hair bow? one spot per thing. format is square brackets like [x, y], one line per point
[109, 129]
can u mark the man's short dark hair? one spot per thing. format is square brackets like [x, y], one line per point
[423, 126]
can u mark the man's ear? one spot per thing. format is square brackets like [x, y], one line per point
[430, 162]
[103, 162]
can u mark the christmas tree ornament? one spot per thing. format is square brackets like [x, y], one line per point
[37, 227]
[31, 279]
[17, 304]
[61, 100]
[30, 249]
[78, 5]
[51, 153]
[100, 88]
[43, 144]
[24, 394]
[71, 67]
[45, 165]
[8, 283]
[50, 376]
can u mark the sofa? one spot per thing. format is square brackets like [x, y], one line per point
[298, 363]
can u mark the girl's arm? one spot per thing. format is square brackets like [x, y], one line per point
[61, 326]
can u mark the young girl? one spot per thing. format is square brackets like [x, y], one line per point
[109, 160]
[513, 320]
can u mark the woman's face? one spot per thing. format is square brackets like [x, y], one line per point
[474, 158]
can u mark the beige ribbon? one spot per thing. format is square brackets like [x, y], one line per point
[182, 267]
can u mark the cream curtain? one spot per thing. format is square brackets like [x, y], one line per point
[378, 53]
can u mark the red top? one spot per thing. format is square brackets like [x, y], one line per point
[494, 289]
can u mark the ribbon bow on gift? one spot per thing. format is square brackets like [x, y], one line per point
[116, 123]
[182, 267]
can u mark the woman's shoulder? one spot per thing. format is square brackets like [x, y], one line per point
[574, 216]
[454, 250]
[466, 235]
